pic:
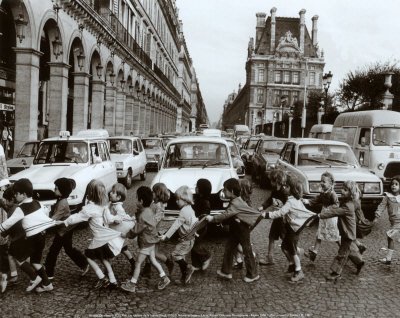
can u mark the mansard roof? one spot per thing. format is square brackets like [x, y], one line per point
[283, 25]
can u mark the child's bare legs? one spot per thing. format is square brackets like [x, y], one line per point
[13, 269]
[317, 244]
[96, 268]
[110, 272]
[388, 259]
[130, 258]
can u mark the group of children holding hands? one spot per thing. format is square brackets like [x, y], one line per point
[23, 222]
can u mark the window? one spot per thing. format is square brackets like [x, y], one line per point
[288, 154]
[295, 78]
[261, 75]
[295, 97]
[286, 77]
[312, 78]
[260, 95]
[278, 77]
[277, 98]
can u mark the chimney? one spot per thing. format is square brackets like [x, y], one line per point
[314, 30]
[273, 25]
[260, 26]
[302, 29]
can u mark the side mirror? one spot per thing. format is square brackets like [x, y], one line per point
[363, 142]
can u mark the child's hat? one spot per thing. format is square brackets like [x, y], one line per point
[4, 182]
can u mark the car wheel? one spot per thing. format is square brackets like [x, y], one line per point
[143, 175]
[128, 180]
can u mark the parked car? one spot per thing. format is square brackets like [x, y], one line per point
[188, 159]
[308, 158]
[167, 137]
[129, 157]
[24, 158]
[237, 160]
[321, 131]
[82, 157]
[264, 159]
[247, 152]
[154, 148]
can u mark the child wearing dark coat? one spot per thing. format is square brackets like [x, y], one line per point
[63, 238]
[201, 257]
[239, 232]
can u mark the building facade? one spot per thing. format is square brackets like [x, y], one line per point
[80, 64]
[283, 64]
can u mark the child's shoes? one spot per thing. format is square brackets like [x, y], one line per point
[102, 283]
[206, 264]
[385, 261]
[164, 282]
[13, 280]
[34, 283]
[297, 276]
[46, 288]
[3, 284]
[129, 286]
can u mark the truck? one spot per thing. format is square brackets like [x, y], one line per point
[241, 132]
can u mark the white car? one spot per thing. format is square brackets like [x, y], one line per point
[154, 148]
[308, 158]
[237, 160]
[24, 158]
[188, 159]
[82, 157]
[129, 157]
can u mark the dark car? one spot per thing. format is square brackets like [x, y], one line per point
[265, 157]
[247, 152]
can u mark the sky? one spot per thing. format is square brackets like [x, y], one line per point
[352, 33]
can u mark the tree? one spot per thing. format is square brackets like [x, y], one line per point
[363, 88]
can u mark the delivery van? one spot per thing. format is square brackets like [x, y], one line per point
[321, 131]
[374, 136]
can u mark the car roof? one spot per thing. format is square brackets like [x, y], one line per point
[316, 141]
[274, 138]
[198, 139]
[124, 137]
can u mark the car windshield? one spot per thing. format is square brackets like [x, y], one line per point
[272, 146]
[252, 144]
[62, 152]
[120, 146]
[28, 150]
[386, 136]
[325, 154]
[151, 143]
[200, 154]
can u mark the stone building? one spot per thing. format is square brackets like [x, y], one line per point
[283, 64]
[122, 65]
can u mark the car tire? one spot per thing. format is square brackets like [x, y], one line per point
[143, 175]
[128, 180]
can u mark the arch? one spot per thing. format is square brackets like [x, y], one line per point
[76, 47]
[108, 70]
[94, 61]
[53, 30]
[26, 10]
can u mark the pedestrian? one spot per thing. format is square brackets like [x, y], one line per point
[347, 230]
[26, 225]
[276, 200]
[327, 228]
[294, 215]
[245, 192]
[106, 243]
[200, 256]
[391, 204]
[242, 218]
[123, 222]
[146, 230]
[62, 238]
[161, 196]
[183, 224]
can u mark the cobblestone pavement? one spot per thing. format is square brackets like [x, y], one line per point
[374, 293]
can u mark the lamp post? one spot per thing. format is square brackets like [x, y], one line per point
[387, 97]
[326, 82]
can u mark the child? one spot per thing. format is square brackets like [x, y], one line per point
[327, 228]
[276, 200]
[106, 243]
[4, 263]
[146, 229]
[24, 246]
[183, 224]
[62, 238]
[245, 192]
[200, 256]
[124, 222]
[239, 232]
[161, 196]
[391, 203]
[347, 229]
[293, 213]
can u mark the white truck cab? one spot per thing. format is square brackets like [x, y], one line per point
[374, 136]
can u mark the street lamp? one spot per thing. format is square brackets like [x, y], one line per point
[326, 82]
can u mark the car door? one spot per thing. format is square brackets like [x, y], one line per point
[287, 158]
[104, 170]
[135, 158]
[142, 159]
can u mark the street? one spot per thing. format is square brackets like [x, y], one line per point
[373, 293]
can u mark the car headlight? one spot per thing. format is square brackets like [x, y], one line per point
[381, 166]
[372, 187]
[314, 186]
[119, 165]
